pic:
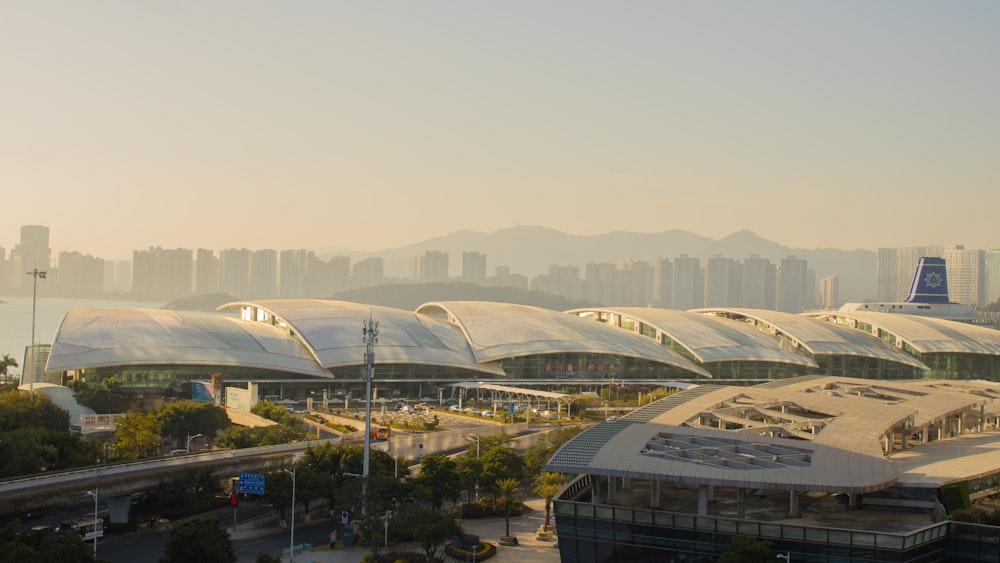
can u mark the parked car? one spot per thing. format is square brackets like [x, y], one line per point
[454, 408]
[487, 414]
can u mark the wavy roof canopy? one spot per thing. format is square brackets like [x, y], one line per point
[331, 330]
[502, 330]
[710, 338]
[819, 337]
[925, 334]
[93, 337]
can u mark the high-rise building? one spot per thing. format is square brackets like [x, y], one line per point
[292, 274]
[829, 292]
[340, 274]
[80, 274]
[234, 272]
[688, 288]
[367, 272]
[602, 283]
[4, 269]
[263, 273]
[723, 282]
[474, 267]
[432, 267]
[793, 287]
[206, 277]
[34, 247]
[663, 279]
[760, 283]
[991, 267]
[319, 277]
[162, 273]
[637, 278]
[965, 275]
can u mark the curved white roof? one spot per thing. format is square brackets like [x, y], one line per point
[819, 337]
[502, 330]
[710, 338]
[331, 330]
[91, 338]
[927, 335]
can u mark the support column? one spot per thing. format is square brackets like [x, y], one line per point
[612, 489]
[702, 500]
[654, 494]
[711, 493]
[119, 507]
[595, 489]
[852, 501]
[793, 504]
[741, 503]
[626, 483]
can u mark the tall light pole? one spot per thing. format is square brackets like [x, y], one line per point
[94, 494]
[34, 300]
[188, 448]
[370, 334]
[475, 439]
[291, 545]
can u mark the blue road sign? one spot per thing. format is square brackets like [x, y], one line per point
[251, 483]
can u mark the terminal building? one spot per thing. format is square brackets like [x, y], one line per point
[825, 468]
[291, 347]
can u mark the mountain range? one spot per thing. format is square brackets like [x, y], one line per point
[530, 250]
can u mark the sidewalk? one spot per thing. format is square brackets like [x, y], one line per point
[528, 550]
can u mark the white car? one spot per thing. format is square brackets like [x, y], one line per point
[487, 414]
[454, 408]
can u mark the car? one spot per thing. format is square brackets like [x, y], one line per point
[454, 408]
[487, 414]
[423, 407]
[612, 419]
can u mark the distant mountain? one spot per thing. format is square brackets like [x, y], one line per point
[530, 250]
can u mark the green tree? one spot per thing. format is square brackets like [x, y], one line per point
[508, 495]
[433, 530]
[271, 411]
[439, 476]
[181, 419]
[746, 549]
[547, 485]
[137, 435]
[502, 463]
[41, 546]
[198, 539]
[7, 361]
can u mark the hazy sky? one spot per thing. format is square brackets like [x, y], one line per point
[369, 125]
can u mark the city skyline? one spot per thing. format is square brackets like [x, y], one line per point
[364, 127]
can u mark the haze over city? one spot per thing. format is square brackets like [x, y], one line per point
[366, 126]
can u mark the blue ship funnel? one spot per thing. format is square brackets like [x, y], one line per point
[930, 282]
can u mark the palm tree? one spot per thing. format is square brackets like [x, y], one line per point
[508, 494]
[6, 361]
[547, 485]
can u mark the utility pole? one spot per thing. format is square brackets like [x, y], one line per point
[370, 334]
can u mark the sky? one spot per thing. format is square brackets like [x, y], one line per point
[372, 125]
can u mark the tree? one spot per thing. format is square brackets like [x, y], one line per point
[508, 494]
[198, 539]
[547, 485]
[189, 418]
[42, 545]
[439, 476]
[746, 549]
[433, 530]
[7, 361]
[137, 435]
[501, 463]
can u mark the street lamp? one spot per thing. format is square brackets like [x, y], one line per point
[388, 514]
[291, 545]
[34, 299]
[786, 556]
[94, 494]
[188, 448]
[474, 439]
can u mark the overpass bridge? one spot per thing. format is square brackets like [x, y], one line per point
[116, 483]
